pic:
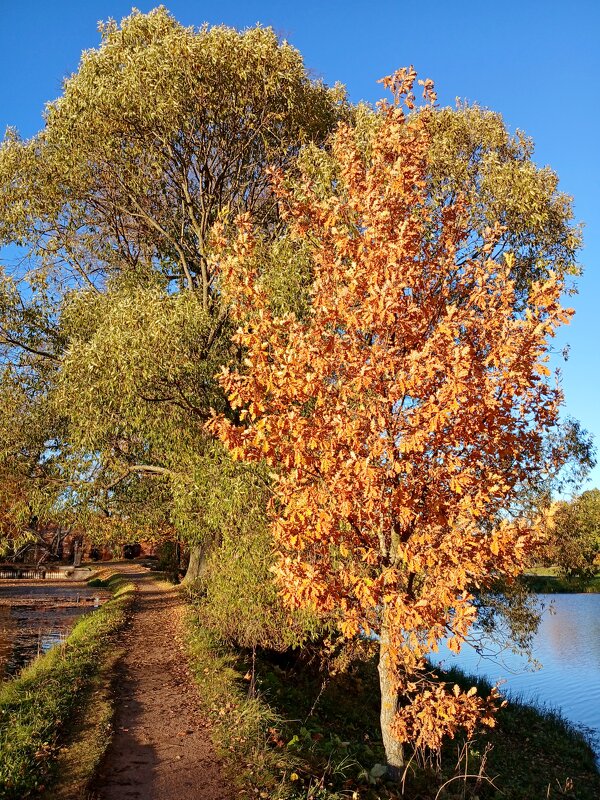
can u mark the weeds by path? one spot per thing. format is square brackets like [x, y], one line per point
[301, 736]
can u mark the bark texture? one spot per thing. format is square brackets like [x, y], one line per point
[394, 751]
[197, 564]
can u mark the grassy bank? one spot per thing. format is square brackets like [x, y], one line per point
[38, 707]
[242, 725]
[305, 737]
[549, 581]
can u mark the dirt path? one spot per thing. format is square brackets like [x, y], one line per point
[161, 747]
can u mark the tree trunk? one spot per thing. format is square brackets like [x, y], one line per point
[77, 554]
[394, 751]
[197, 564]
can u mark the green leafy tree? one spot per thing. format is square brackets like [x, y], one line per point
[575, 535]
[162, 130]
[32, 480]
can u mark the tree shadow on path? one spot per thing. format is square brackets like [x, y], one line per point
[161, 748]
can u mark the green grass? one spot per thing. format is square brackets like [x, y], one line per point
[39, 705]
[89, 736]
[99, 583]
[306, 737]
[242, 725]
[549, 581]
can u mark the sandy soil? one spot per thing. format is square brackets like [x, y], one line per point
[161, 748]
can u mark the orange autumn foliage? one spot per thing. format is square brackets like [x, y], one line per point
[400, 415]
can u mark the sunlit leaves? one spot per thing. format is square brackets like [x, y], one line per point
[574, 540]
[401, 412]
[162, 130]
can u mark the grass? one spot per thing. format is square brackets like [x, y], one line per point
[89, 736]
[302, 736]
[548, 580]
[242, 725]
[39, 706]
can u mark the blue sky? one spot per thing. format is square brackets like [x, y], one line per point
[535, 61]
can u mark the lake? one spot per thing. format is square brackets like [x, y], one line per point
[567, 645]
[34, 617]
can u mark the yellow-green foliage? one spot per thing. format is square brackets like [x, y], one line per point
[162, 130]
[139, 362]
[225, 504]
[575, 535]
[472, 154]
[29, 472]
[241, 603]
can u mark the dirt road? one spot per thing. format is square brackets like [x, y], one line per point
[161, 748]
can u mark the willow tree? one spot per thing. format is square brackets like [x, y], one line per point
[33, 489]
[160, 131]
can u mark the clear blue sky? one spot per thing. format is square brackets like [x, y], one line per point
[535, 61]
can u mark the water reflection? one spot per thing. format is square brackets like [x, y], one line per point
[36, 618]
[567, 645]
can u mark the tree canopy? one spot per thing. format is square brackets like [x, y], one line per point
[400, 414]
[575, 535]
[162, 129]
[113, 326]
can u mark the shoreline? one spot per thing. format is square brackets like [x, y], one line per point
[548, 583]
[40, 707]
[302, 730]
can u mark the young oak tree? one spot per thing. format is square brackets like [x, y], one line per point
[401, 413]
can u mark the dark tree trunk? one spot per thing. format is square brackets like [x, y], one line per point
[394, 752]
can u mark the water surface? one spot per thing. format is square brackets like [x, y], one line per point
[34, 617]
[567, 645]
